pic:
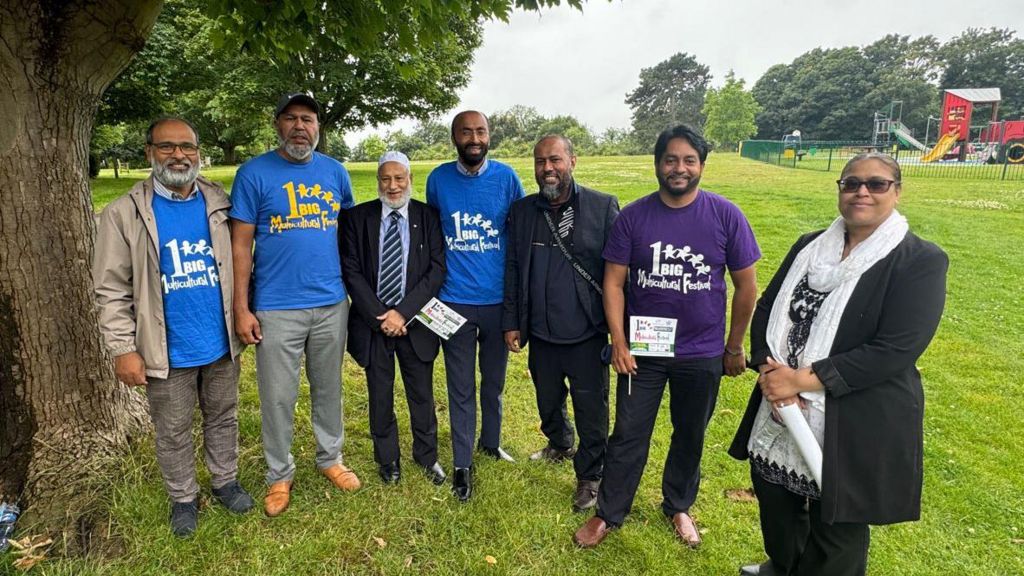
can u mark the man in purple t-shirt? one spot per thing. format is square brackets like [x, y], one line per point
[666, 260]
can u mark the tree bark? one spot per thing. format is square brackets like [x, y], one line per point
[63, 417]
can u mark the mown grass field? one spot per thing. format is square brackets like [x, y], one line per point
[519, 520]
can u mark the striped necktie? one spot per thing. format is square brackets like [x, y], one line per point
[389, 288]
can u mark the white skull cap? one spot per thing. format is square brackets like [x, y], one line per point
[394, 156]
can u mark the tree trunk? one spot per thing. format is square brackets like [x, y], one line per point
[230, 157]
[63, 417]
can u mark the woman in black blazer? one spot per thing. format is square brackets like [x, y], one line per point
[838, 331]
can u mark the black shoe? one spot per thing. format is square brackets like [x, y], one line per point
[586, 495]
[233, 497]
[496, 453]
[462, 485]
[763, 569]
[553, 454]
[435, 473]
[390, 473]
[184, 518]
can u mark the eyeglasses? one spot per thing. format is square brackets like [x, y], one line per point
[187, 148]
[874, 185]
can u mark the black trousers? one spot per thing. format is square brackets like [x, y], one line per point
[550, 365]
[417, 376]
[693, 390]
[799, 543]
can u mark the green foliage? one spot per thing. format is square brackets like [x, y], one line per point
[520, 513]
[670, 93]
[333, 144]
[832, 94]
[360, 28]
[370, 149]
[992, 58]
[730, 112]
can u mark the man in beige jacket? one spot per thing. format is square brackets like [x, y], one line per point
[163, 279]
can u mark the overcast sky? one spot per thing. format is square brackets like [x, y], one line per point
[563, 61]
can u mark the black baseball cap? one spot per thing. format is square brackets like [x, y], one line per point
[287, 100]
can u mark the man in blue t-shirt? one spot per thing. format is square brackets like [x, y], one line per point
[289, 295]
[163, 273]
[672, 248]
[473, 195]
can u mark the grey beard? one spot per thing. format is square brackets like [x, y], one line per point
[397, 204]
[299, 151]
[550, 192]
[173, 178]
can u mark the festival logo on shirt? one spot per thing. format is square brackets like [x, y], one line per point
[193, 266]
[308, 207]
[473, 234]
[674, 268]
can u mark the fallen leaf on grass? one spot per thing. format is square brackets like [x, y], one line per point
[741, 495]
[30, 551]
[380, 541]
[1016, 540]
[490, 560]
[408, 561]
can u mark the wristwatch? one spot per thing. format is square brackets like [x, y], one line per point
[733, 353]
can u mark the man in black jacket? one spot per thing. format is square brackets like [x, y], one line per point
[552, 300]
[392, 255]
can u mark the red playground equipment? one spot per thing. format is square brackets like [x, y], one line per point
[997, 141]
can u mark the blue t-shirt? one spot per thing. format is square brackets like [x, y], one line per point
[473, 212]
[193, 310]
[295, 209]
[677, 258]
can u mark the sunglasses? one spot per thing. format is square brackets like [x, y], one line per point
[874, 185]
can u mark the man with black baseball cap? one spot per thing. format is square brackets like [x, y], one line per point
[288, 201]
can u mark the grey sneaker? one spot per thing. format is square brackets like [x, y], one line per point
[553, 454]
[184, 518]
[586, 495]
[233, 497]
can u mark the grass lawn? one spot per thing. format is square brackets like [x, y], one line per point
[519, 520]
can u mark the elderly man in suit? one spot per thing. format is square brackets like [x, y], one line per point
[392, 256]
[553, 301]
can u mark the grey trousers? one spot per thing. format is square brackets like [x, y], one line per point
[287, 334]
[172, 403]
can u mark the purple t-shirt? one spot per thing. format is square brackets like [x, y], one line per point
[677, 259]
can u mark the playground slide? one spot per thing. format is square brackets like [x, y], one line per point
[907, 139]
[941, 147]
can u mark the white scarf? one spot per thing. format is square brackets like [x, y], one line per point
[826, 270]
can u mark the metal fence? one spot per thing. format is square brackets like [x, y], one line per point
[831, 156]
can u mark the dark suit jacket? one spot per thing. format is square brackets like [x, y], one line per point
[360, 262]
[593, 223]
[874, 403]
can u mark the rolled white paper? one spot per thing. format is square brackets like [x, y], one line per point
[805, 441]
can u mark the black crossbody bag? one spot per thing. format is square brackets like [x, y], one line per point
[606, 352]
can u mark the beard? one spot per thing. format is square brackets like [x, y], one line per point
[172, 178]
[300, 152]
[550, 191]
[472, 159]
[677, 192]
[400, 202]
[553, 191]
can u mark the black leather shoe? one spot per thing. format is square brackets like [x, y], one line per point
[462, 485]
[763, 569]
[435, 473]
[496, 453]
[390, 473]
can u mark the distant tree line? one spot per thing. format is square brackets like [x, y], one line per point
[827, 94]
